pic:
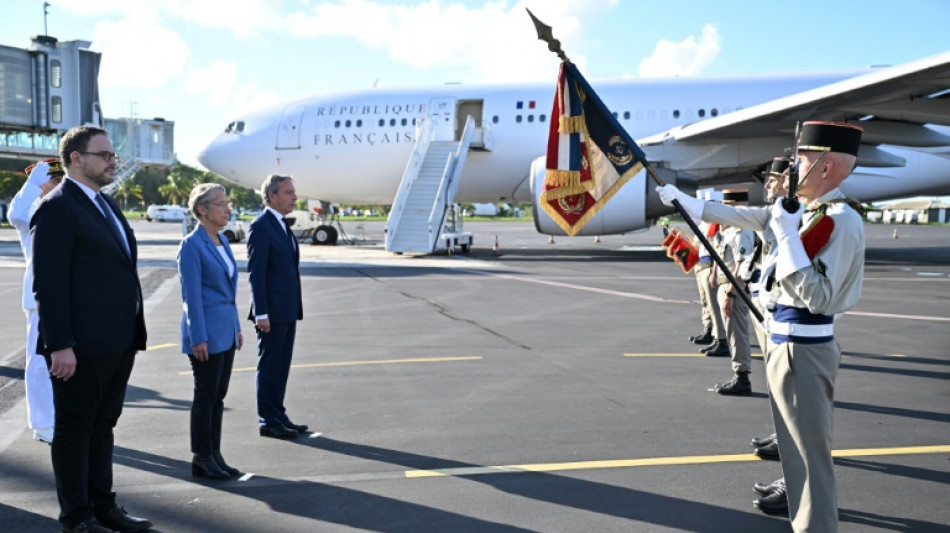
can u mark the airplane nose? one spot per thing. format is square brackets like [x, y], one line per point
[215, 157]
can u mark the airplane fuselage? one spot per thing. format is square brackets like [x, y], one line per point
[353, 147]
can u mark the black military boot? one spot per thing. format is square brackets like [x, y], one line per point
[769, 451]
[758, 442]
[703, 338]
[717, 349]
[764, 489]
[775, 503]
[739, 386]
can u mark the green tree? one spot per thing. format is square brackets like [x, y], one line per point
[127, 189]
[180, 181]
[10, 182]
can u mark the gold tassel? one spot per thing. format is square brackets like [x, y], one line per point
[568, 125]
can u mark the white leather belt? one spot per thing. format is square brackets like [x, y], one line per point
[802, 330]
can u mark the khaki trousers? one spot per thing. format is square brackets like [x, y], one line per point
[737, 331]
[801, 380]
[712, 314]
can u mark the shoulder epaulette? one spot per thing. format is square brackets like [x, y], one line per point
[817, 234]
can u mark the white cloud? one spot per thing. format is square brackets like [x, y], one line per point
[242, 17]
[251, 96]
[491, 43]
[139, 53]
[684, 58]
[217, 81]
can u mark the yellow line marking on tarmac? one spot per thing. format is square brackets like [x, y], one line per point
[655, 461]
[161, 347]
[356, 363]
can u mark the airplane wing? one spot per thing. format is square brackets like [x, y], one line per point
[895, 104]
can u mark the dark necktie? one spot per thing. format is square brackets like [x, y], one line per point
[110, 219]
[293, 240]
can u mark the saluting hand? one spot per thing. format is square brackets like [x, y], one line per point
[62, 364]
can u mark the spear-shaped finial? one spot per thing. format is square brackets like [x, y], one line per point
[546, 34]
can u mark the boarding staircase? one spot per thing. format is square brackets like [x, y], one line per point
[427, 191]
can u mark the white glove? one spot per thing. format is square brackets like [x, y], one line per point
[791, 252]
[40, 174]
[693, 206]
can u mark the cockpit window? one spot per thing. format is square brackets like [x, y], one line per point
[235, 127]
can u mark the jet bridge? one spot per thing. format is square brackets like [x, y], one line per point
[141, 143]
[45, 90]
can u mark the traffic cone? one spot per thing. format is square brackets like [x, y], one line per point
[494, 247]
[550, 239]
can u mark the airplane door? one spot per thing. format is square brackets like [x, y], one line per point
[288, 130]
[442, 114]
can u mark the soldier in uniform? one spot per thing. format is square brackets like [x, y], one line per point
[737, 248]
[44, 176]
[818, 274]
[711, 316]
[764, 258]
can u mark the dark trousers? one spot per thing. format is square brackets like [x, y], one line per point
[212, 378]
[275, 350]
[87, 409]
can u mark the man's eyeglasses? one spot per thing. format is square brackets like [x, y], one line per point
[222, 205]
[106, 156]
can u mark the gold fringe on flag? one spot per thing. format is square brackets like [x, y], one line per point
[575, 124]
[562, 178]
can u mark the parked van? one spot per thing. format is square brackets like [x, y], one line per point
[233, 232]
[165, 213]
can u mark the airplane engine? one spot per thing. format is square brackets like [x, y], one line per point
[634, 207]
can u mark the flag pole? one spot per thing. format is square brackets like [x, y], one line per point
[546, 34]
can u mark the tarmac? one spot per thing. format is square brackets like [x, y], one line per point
[543, 387]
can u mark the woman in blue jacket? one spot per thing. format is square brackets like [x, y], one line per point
[210, 329]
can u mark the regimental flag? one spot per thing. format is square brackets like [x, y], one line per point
[681, 249]
[590, 156]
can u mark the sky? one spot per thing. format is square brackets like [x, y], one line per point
[200, 63]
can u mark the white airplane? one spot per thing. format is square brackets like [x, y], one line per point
[352, 147]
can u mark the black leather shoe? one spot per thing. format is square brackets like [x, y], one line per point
[87, 526]
[739, 386]
[775, 503]
[718, 349]
[299, 428]
[768, 488]
[279, 432]
[704, 338]
[228, 469]
[715, 344]
[769, 451]
[758, 442]
[206, 466]
[119, 520]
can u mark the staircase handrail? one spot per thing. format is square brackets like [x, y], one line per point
[413, 166]
[448, 185]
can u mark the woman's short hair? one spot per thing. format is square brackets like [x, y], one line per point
[201, 195]
[270, 186]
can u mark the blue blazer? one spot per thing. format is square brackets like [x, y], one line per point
[273, 271]
[208, 294]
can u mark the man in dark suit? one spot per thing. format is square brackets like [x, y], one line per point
[89, 300]
[273, 259]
